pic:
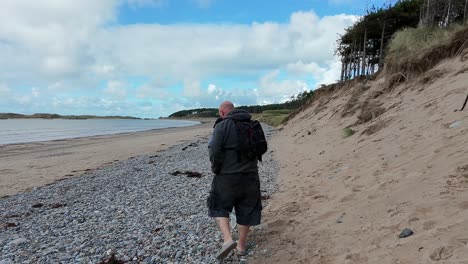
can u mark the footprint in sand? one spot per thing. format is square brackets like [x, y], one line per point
[327, 215]
[457, 181]
[277, 223]
[441, 253]
[347, 198]
[292, 209]
[307, 192]
[462, 241]
[357, 258]
[8, 171]
[358, 188]
[463, 205]
[428, 225]
[373, 196]
[278, 226]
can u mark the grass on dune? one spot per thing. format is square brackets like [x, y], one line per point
[273, 117]
[415, 50]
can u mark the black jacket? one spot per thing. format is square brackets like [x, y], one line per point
[223, 146]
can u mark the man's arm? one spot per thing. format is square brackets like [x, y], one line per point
[216, 149]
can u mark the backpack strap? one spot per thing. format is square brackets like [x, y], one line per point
[237, 131]
[239, 139]
[218, 121]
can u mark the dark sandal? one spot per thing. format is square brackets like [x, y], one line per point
[240, 253]
[226, 249]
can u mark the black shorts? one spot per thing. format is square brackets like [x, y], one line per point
[239, 191]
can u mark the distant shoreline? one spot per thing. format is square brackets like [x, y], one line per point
[57, 116]
[19, 131]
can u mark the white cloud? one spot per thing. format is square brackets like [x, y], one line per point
[331, 74]
[102, 69]
[213, 89]
[149, 91]
[35, 92]
[273, 90]
[55, 87]
[5, 94]
[176, 51]
[116, 90]
[59, 65]
[192, 88]
[301, 68]
[213, 95]
[326, 74]
[214, 92]
[4, 89]
[45, 40]
[23, 99]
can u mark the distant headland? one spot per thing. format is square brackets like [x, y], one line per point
[57, 116]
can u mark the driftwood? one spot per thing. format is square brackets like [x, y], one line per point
[190, 174]
[464, 104]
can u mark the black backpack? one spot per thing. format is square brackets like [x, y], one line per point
[252, 141]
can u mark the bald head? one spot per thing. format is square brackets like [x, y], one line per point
[225, 108]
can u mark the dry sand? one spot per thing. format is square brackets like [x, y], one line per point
[25, 166]
[346, 200]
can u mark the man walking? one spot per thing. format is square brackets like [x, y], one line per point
[236, 183]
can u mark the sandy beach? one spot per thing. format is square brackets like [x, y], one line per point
[25, 166]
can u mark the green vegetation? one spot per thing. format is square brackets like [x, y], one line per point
[295, 102]
[417, 40]
[273, 117]
[348, 132]
[363, 47]
[416, 50]
[56, 116]
[442, 13]
[194, 113]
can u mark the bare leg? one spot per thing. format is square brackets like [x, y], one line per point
[243, 232]
[223, 223]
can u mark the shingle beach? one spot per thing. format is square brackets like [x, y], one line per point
[146, 209]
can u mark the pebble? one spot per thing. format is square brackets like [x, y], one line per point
[406, 233]
[456, 124]
[18, 241]
[340, 219]
[134, 208]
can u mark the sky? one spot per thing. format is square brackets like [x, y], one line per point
[150, 58]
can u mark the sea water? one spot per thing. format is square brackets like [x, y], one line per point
[34, 130]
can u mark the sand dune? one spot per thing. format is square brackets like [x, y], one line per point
[346, 200]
